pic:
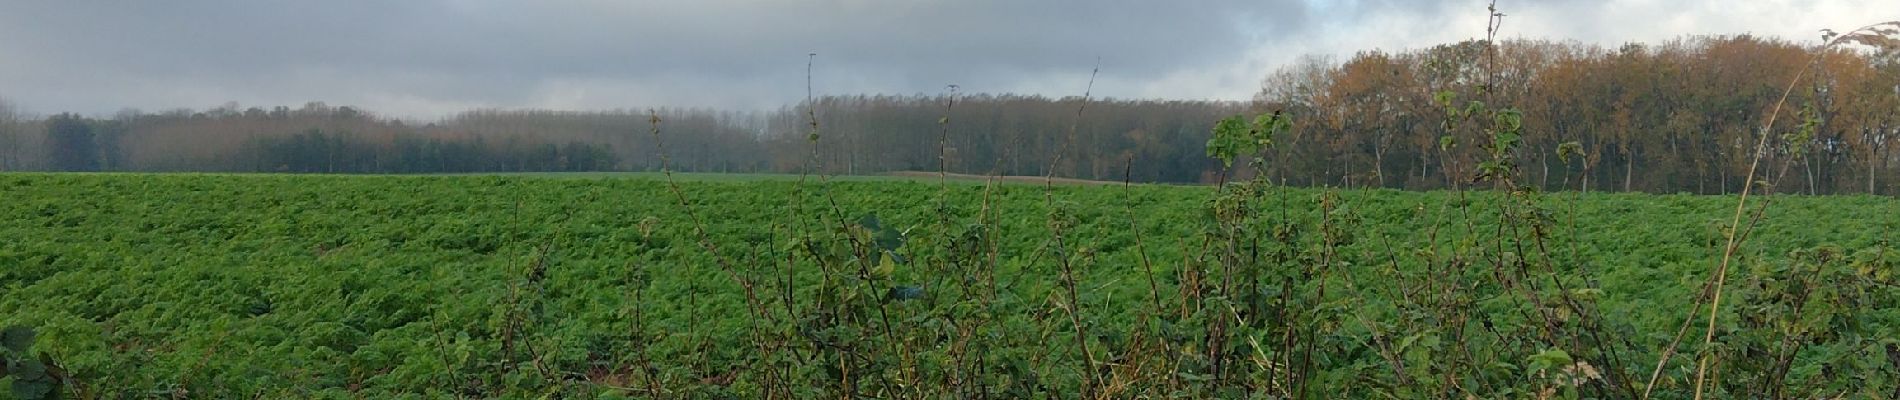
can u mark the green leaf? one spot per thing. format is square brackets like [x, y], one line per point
[905, 292]
[1228, 142]
[889, 240]
[1568, 149]
[26, 389]
[1510, 120]
[1193, 377]
[1547, 359]
[28, 370]
[1444, 98]
[885, 266]
[16, 338]
[885, 238]
[1473, 107]
[1507, 140]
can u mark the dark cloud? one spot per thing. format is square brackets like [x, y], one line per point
[425, 58]
[430, 57]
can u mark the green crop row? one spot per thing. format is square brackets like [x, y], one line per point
[441, 287]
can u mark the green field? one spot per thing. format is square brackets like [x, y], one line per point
[686, 176]
[278, 286]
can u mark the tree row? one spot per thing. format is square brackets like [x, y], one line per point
[1680, 116]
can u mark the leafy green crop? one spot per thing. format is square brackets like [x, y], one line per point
[442, 287]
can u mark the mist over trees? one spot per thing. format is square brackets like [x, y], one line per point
[71, 144]
[1680, 116]
[1003, 134]
[14, 138]
[1007, 134]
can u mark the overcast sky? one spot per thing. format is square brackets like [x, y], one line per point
[423, 59]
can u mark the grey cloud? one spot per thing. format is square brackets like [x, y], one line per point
[426, 58]
[514, 54]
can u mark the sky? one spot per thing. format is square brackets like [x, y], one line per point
[426, 59]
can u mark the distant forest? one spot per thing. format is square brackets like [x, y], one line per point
[1681, 116]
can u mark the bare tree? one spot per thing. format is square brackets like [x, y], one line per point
[10, 143]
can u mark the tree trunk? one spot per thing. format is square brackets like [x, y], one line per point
[1348, 176]
[1378, 164]
[1629, 168]
[1701, 180]
[1807, 165]
[1585, 175]
[1424, 172]
[1545, 185]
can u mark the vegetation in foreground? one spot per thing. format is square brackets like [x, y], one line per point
[337, 287]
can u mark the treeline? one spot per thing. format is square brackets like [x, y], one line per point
[1005, 134]
[322, 139]
[1681, 116]
[1155, 141]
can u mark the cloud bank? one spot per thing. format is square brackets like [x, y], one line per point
[430, 58]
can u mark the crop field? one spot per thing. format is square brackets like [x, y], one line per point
[282, 286]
